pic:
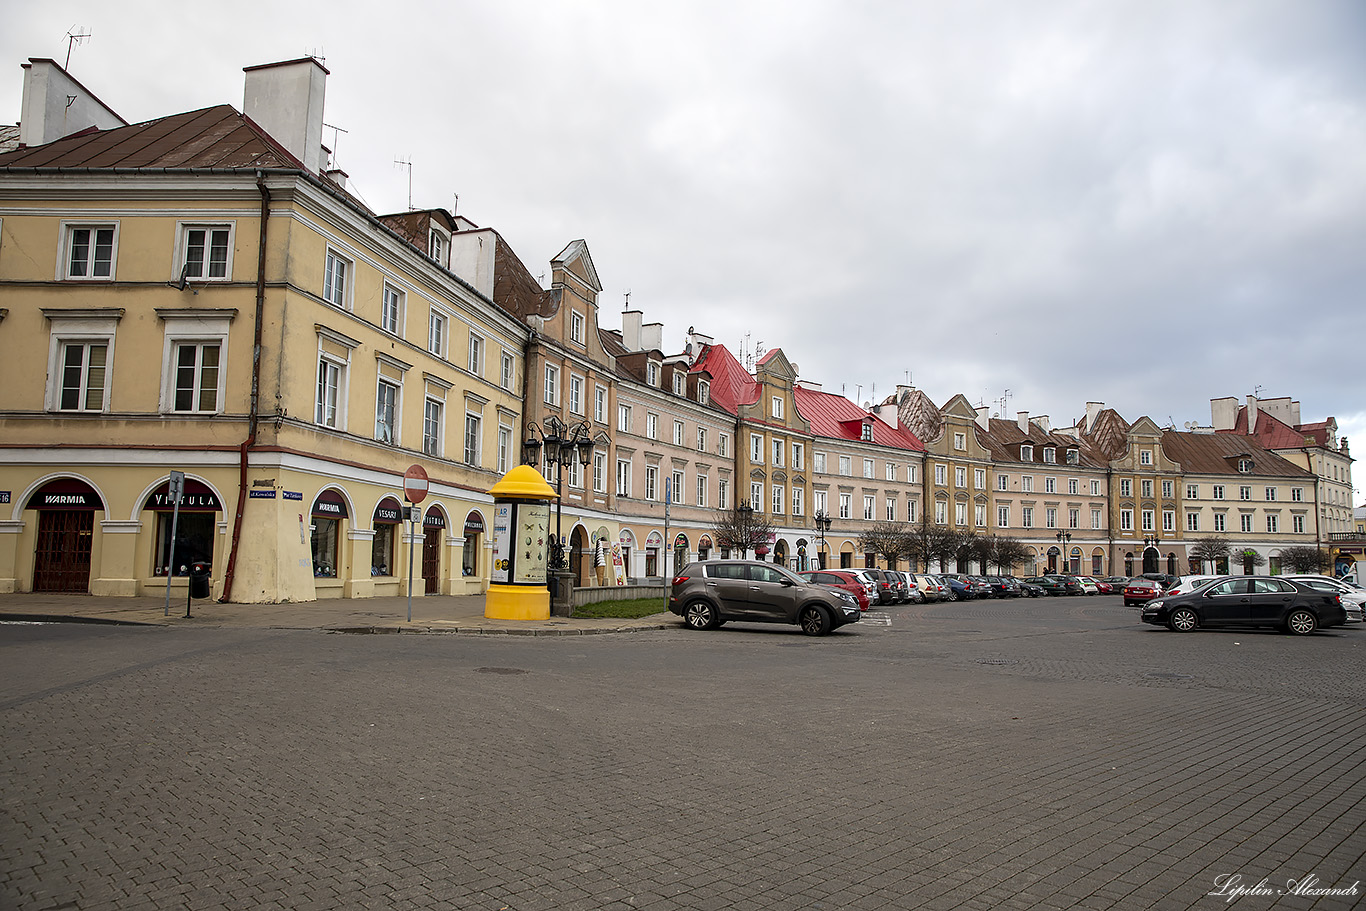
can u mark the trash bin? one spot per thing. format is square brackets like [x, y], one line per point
[199, 580]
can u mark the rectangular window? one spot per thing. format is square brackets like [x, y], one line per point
[504, 447]
[778, 453]
[1002, 482]
[679, 494]
[84, 369]
[891, 471]
[651, 426]
[1297, 494]
[798, 456]
[1050, 518]
[1297, 524]
[576, 475]
[756, 448]
[1245, 493]
[1192, 521]
[960, 441]
[1271, 493]
[723, 445]
[679, 381]
[1273, 524]
[979, 515]
[777, 407]
[1147, 488]
[910, 510]
[386, 409]
[869, 507]
[797, 504]
[1169, 520]
[1002, 516]
[207, 251]
[436, 333]
[960, 476]
[576, 394]
[1096, 518]
[1218, 493]
[1192, 491]
[600, 404]
[941, 475]
[867, 468]
[473, 426]
[1126, 520]
[1219, 522]
[941, 512]
[756, 496]
[476, 361]
[1026, 453]
[336, 280]
[701, 490]
[723, 494]
[1072, 487]
[818, 462]
[623, 477]
[1167, 490]
[1145, 457]
[891, 509]
[431, 427]
[1027, 483]
[1095, 488]
[1245, 522]
[846, 466]
[90, 251]
[1074, 518]
[701, 439]
[506, 371]
[845, 505]
[979, 479]
[1050, 455]
[1027, 517]
[576, 327]
[778, 498]
[391, 309]
[600, 472]
[328, 412]
[1126, 487]
[1050, 485]
[678, 433]
[1148, 520]
[552, 384]
[910, 474]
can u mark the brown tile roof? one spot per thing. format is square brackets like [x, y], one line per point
[216, 138]
[1108, 435]
[1004, 437]
[1218, 453]
[920, 416]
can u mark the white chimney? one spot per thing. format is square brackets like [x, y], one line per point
[652, 337]
[1223, 412]
[286, 100]
[1022, 419]
[1093, 410]
[1044, 424]
[630, 329]
[983, 417]
[1251, 414]
[55, 105]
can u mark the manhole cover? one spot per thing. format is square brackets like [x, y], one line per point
[997, 661]
[1167, 675]
[499, 670]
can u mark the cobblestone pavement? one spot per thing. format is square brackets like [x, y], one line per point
[1025, 754]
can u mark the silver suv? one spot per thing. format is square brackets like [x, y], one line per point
[708, 593]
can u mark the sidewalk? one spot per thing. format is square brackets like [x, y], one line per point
[431, 614]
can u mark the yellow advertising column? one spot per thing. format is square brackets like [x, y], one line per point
[521, 538]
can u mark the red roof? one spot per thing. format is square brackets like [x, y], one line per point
[731, 384]
[837, 417]
[1273, 433]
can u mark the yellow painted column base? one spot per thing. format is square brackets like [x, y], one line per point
[517, 602]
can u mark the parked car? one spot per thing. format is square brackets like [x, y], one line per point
[1071, 585]
[1184, 584]
[1051, 585]
[1353, 599]
[1141, 591]
[708, 593]
[981, 588]
[1087, 586]
[913, 587]
[1248, 601]
[886, 594]
[1003, 587]
[960, 587]
[1162, 579]
[1117, 583]
[843, 580]
[1030, 590]
[929, 591]
[1102, 587]
[941, 587]
[903, 590]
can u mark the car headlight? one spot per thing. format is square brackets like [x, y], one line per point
[846, 597]
[1155, 603]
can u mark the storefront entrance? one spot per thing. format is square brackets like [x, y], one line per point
[62, 559]
[432, 526]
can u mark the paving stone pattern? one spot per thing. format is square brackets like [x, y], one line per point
[1045, 754]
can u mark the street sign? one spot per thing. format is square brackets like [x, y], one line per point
[415, 484]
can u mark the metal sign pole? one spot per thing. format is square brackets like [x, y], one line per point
[668, 545]
[412, 544]
[173, 489]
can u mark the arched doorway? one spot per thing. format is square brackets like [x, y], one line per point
[474, 541]
[780, 552]
[704, 547]
[1151, 560]
[1171, 564]
[1129, 563]
[1053, 555]
[433, 526]
[328, 513]
[654, 543]
[1097, 562]
[846, 556]
[680, 550]
[802, 562]
[580, 556]
[66, 530]
[194, 530]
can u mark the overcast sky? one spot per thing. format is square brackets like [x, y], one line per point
[1147, 204]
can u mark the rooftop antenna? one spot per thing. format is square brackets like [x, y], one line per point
[456, 207]
[407, 163]
[627, 306]
[336, 140]
[74, 37]
[320, 57]
[1257, 391]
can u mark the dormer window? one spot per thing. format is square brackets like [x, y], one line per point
[1073, 457]
[1050, 454]
[652, 373]
[1026, 453]
[777, 409]
[1244, 466]
[1145, 457]
[703, 391]
[436, 246]
[679, 382]
[576, 324]
[867, 432]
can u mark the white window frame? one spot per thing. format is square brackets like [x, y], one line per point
[1002, 516]
[552, 384]
[576, 327]
[701, 490]
[507, 371]
[433, 439]
[777, 407]
[678, 433]
[599, 471]
[328, 362]
[798, 456]
[756, 496]
[868, 468]
[438, 332]
[600, 403]
[67, 244]
[623, 418]
[846, 505]
[576, 402]
[476, 354]
[183, 230]
[624, 478]
[192, 330]
[651, 430]
[779, 499]
[756, 448]
[723, 445]
[798, 500]
[338, 294]
[473, 449]
[779, 448]
[393, 295]
[504, 448]
[394, 417]
[701, 439]
[676, 490]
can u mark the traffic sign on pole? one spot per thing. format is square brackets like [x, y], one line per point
[415, 484]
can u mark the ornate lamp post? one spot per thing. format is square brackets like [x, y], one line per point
[822, 527]
[1150, 542]
[1063, 539]
[564, 444]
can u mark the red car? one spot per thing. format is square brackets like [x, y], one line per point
[1141, 591]
[838, 578]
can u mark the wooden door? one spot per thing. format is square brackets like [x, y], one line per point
[431, 559]
[62, 561]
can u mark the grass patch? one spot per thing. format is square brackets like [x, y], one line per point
[622, 610]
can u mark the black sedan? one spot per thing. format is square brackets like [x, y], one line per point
[1248, 601]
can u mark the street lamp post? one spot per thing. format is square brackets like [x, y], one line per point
[1150, 542]
[1063, 539]
[563, 444]
[822, 527]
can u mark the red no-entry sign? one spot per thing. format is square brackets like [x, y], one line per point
[415, 484]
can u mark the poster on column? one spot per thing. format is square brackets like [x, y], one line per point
[502, 542]
[533, 539]
[618, 570]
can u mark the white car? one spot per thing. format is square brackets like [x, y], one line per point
[1186, 584]
[1352, 599]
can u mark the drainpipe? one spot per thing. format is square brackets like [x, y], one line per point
[252, 412]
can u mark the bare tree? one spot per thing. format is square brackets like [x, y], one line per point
[1251, 560]
[975, 547]
[930, 542]
[1301, 558]
[1007, 552]
[1210, 549]
[741, 529]
[890, 539]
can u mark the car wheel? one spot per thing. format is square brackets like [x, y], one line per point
[1301, 622]
[1183, 620]
[700, 615]
[814, 620]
